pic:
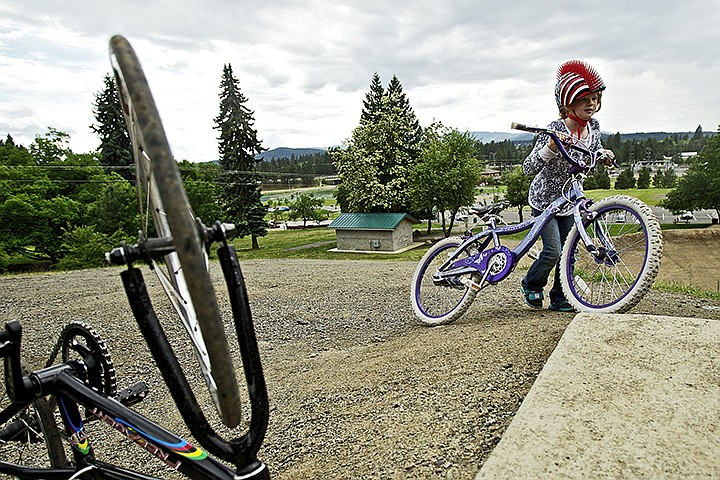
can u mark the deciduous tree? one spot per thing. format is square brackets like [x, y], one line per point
[518, 187]
[446, 176]
[700, 186]
[306, 207]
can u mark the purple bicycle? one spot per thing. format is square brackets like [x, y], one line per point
[609, 260]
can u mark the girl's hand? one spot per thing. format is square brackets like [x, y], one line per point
[607, 157]
[565, 139]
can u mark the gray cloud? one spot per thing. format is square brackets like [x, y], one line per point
[305, 66]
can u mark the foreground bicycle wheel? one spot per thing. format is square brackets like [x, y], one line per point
[165, 213]
[439, 302]
[630, 239]
[31, 438]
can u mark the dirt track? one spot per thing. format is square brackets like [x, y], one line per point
[357, 389]
[692, 257]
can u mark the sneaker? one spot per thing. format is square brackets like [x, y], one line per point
[532, 299]
[563, 306]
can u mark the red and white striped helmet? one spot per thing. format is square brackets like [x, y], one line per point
[576, 79]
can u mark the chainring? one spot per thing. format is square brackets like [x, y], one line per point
[80, 342]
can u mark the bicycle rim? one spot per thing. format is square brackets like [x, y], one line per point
[31, 438]
[165, 212]
[438, 303]
[632, 244]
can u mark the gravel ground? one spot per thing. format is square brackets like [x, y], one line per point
[357, 388]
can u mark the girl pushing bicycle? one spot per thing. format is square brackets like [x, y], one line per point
[578, 93]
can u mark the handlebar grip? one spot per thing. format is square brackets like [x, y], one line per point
[518, 126]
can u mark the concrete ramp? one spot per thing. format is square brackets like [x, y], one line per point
[621, 397]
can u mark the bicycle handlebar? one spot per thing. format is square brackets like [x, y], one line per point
[563, 142]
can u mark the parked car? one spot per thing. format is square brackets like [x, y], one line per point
[686, 217]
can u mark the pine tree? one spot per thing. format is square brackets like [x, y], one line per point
[601, 177]
[115, 148]
[375, 166]
[625, 180]
[238, 146]
[373, 100]
[658, 179]
[644, 177]
[399, 100]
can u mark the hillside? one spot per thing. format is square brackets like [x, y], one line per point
[357, 388]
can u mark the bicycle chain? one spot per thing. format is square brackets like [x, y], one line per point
[101, 376]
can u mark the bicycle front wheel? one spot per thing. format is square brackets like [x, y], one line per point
[31, 438]
[438, 302]
[629, 242]
[166, 213]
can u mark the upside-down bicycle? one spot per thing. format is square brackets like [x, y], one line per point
[609, 260]
[43, 413]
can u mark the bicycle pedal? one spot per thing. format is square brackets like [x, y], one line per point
[469, 283]
[132, 395]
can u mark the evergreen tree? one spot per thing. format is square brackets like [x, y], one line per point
[669, 178]
[399, 100]
[625, 180]
[115, 148]
[238, 146]
[375, 166]
[601, 177]
[590, 183]
[658, 179]
[373, 100]
[644, 176]
[614, 142]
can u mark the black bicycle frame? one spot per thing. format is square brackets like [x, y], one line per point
[65, 382]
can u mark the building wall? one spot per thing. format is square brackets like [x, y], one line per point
[403, 235]
[375, 240]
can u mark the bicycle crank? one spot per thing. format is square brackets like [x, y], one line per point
[80, 342]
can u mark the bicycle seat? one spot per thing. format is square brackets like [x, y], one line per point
[492, 209]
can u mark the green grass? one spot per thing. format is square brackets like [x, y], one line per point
[685, 289]
[312, 243]
[315, 243]
[650, 196]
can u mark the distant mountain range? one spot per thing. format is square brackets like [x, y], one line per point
[485, 137]
[285, 152]
[488, 137]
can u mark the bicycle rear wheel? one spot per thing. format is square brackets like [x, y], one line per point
[31, 438]
[166, 213]
[439, 302]
[630, 240]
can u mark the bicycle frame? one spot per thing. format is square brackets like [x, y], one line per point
[65, 382]
[479, 263]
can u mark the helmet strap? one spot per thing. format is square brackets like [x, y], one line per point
[580, 124]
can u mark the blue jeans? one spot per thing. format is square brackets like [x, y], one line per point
[553, 237]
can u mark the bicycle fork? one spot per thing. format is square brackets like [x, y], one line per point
[606, 252]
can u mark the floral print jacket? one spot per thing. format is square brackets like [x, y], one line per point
[550, 169]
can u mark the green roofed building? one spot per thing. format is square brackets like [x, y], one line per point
[374, 232]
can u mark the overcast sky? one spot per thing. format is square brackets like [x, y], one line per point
[305, 66]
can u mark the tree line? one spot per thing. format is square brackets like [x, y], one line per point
[63, 209]
[66, 209]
